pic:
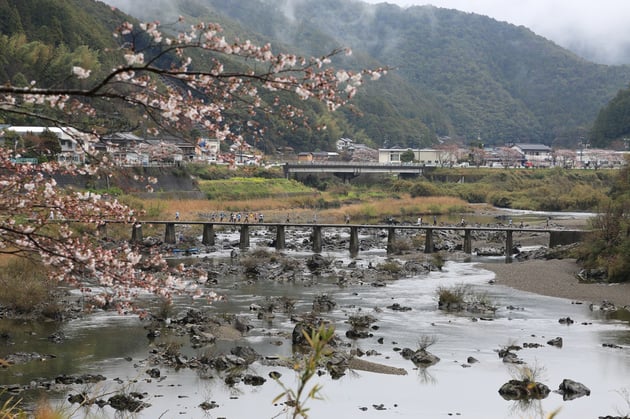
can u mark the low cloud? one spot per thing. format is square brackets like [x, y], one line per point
[595, 30]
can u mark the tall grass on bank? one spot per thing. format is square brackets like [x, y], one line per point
[198, 209]
[553, 189]
[405, 207]
[447, 191]
[302, 208]
[247, 188]
[25, 286]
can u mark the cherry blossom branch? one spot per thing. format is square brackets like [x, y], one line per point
[33, 208]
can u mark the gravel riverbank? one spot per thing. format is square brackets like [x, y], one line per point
[557, 278]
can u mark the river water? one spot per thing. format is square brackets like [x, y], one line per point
[115, 346]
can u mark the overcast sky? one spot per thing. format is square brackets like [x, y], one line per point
[599, 28]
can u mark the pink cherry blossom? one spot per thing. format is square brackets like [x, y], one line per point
[37, 216]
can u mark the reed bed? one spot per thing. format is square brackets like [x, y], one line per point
[307, 208]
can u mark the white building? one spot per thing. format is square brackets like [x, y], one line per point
[426, 156]
[73, 150]
[538, 155]
[344, 144]
[208, 149]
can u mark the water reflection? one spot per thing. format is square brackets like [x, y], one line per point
[117, 347]
[425, 376]
[529, 408]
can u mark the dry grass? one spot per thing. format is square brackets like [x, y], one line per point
[25, 285]
[302, 208]
[12, 409]
[195, 208]
[404, 207]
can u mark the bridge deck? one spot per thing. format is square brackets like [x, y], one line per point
[514, 228]
[354, 168]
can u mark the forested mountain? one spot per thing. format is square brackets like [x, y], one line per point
[70, 22]
[457, 74]
[454, 74]
[613, 122]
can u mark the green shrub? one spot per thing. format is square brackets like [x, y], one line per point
[399, 246]
[618, 268]
[472, 192]
[155, 211]
[390, 266]
[367, 211]
[456, 209]
[500, 199]
[423, 189]
[451, 296]
[438, 260]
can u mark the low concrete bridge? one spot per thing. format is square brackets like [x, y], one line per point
[556, 236]
[348, 170]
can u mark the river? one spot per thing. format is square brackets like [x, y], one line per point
[115, 346]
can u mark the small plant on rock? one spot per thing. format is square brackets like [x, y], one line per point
[525, 386]
[452, 297]
[296, 399]
[400, 246]
[460, 297]
[426, 342]
[438, 260]
[391, 266]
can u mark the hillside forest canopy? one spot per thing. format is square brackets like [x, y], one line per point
[456, 76]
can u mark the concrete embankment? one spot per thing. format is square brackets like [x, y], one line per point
[172, 182]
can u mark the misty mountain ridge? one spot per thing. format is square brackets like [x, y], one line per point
[473, 77]
[455, 74]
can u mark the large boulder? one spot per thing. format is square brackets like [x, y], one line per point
[420, 357]
[524, 390]
[323, 303]
[572, 389]
[318, 263]
[308, 324]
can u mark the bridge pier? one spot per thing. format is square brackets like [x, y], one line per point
[136, 233]
[467, 241]
[509, 244]
[391, 239]
[428, 241]
[208, 235]
[354, 242]
[244, 242]
[101, 229]
[317, 239]
[169, 233]
[347, 177]
[280, 238]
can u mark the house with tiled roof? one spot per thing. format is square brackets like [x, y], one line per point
[535, 155]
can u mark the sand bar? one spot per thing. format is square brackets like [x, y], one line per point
[557, 278]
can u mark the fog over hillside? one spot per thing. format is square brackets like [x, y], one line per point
[456, 74]
[591, 29]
